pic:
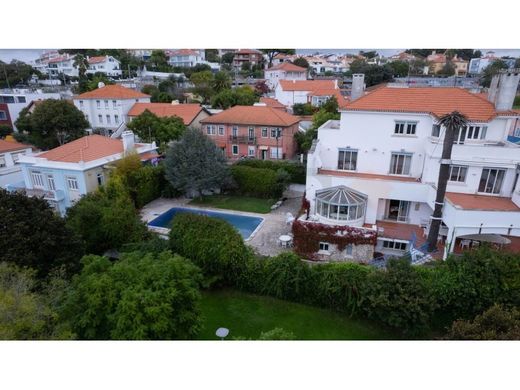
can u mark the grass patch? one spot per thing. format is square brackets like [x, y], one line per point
[248, 315]
[234, 202]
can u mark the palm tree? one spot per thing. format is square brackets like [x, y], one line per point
[451, 122]
[81, 63]
[221, 81]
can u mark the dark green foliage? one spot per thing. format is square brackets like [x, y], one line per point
[399, 298]
[400, 68]
[154, 245]
[221, 81]
[150, 127]
[327, 111]
[5, 130]
[227, 58]
[301, 61]
[491, 70]
[159, 61]
[277, 334]
[211, 55]
[33, 235]
[258, 182]
[140, 297]
[106, 219]
[16, 72]
[295, 170]
[53, 123]
[271, 53]
[211, 243]
[145, 184]
[194, 164]
[303, 109]
[374, 74]
[496, 323]
[241, 96]
[516, 103]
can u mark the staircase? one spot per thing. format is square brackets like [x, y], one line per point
[117, 133]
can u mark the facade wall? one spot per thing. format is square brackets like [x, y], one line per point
[89, 107]
[290, 98]
[110, 67]
[11, 173]
[273, 76]
[359, 254]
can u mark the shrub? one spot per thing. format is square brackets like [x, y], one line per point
[211, 243]
[277, 334]
[295, 170]
[258, 182]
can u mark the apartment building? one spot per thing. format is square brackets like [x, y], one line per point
[284, 71]
[253, 131]
[107, 65]
[186, 58]
[242, 56]
[375, 171]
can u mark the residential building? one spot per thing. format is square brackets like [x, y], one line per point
[436, 62]
[461, 66]
[10, 152]
[273, 103]
[375, 171]
[186, 58]
[291, 92]
[64, 174]
[62, 65]
[107, 107]
[5, 118]
[242, 56]
[477, 65]
[321, 65]
[403, 56]
[253, 131]
[107, 65]
[191, 114]
[284, 71]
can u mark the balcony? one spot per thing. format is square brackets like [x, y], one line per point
[53, 195]
[242, 139]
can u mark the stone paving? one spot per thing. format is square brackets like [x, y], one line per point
[265, 241]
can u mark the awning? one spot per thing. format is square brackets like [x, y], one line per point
[493, 238]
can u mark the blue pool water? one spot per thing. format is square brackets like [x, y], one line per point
[244, 224]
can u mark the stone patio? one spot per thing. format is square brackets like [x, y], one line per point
[265, 241]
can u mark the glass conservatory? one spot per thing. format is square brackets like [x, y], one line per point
[340, 203]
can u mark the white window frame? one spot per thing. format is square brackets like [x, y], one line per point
[396, 245]
[233, 150]
[405, 128]
[106, 105]
[323, 247]
[234, 131]
[16, 156]
[251, 151]
[436, 129]
[37, 179]
[81, 104]
[276, 153]
[405, 155]
[350, 153]
[459, 175]
[494, 189]
[116, 119]
[109, 120]
[98, 103]
[100, 118]
[100, 175]
[249, 130]
[221, 130]
[265, 133]
[72, 183]
[3, 164]
[114, 104]
[50, 182]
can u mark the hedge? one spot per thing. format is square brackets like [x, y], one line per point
[295, 170]
[259, 182]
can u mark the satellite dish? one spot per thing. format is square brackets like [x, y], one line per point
[222, 332]
[101, 84]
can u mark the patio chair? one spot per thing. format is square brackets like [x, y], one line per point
[465, 244]
[289, 218]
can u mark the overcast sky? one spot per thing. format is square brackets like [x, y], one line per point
[27, 55]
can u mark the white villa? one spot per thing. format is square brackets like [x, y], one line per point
[291, 92]
[284, 71]
[375, 171]
[10, 152]
[107, 65]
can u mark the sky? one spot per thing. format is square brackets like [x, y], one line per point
[27, 55]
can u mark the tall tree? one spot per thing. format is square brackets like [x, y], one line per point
[221, 81]
[195, 164]
[203, 84]
[491, 70]
[271, 53]
[150, 127]
[159, 61]
[16, 72]
[451, 122]
[53, 123]
[301, 61]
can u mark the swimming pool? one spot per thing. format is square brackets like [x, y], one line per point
[245, 224]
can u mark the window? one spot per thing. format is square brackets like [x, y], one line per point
[210, 129]
[100, 118]
[458, 173]
[116, 119]
[72, 183]
[400, 163]
[251, 151]
[436, 131]
[234, 131]
[114, 104]
[21, 99]
[406, 128]
[251, 133]
[234, 149]
[100, 178]
[324, 246]
[37, 179]
[264, 132]
[51, 183]
[2, 161]
[347, 159]
[81, 104]
[397, 245]
[3, 115]
[276, 153]
[276, 132]
[98, 103]
[109, 121]
[348, 250]
[491, 180]
[221, 130]
[106, 104]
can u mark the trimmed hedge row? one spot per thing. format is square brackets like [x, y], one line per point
[295, 170]
[259, 182]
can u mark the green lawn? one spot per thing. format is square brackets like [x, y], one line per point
[248, 315]
[232, 202]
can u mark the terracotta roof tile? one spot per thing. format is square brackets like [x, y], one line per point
[434, 101]
[307, 85]
[187, 112]
[481, 202]
[97, 60]
[253, 115]
[11, 146]
[270, 102]
[288, 67]
[112, 92]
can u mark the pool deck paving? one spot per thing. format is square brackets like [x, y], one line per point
[264, 241]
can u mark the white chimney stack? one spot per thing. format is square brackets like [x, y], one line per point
[502, 90]
[358, 86]
[128, 141]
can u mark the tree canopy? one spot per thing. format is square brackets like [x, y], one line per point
[16, 72]
[195, 164]
[162, 130]
[271, 53]
[52, 123]
[301, 61]
[140, 297]
[203, 82]
[374, 74]
[491, 70]
[33, 235]
[241, 96]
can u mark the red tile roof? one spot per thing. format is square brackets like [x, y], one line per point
[481, 202]
[288, 67]
[59, 59]
[270, 102]
[187, 112]
[112, 92]
[183, 52]
[253, 115]
[434, 101]
[306, 85]
[97, 60]
[11, 146]
[88, 148]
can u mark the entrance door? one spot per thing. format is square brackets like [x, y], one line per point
[398, 210]
[264, 154]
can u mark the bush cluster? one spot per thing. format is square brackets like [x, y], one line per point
[258, 182]
[295, 170]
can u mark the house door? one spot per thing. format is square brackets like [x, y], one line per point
[398, 210]
[264, 154]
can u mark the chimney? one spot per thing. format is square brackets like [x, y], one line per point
[260, 104]
[502, 90]
[358, 86]
[127, 137]
[175, 102]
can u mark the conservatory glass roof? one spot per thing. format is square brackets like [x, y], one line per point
[341, 196]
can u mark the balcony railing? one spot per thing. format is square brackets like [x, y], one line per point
[54, 195]
[242, 139]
